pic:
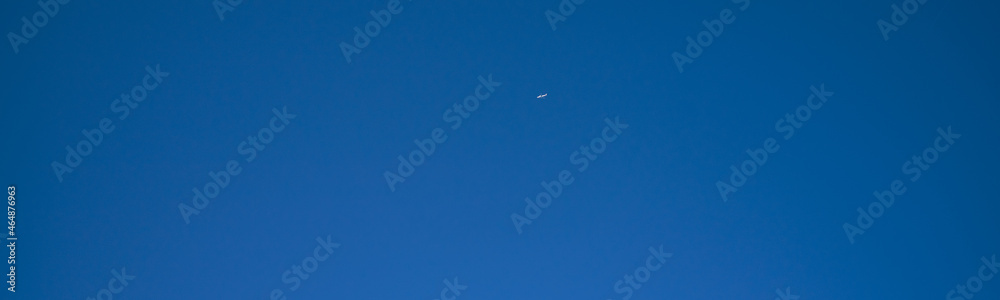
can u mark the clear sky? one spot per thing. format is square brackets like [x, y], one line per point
[312, 137]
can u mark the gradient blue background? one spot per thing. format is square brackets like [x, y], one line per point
[653, 186]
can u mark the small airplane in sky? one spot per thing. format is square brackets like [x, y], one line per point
[542, 96]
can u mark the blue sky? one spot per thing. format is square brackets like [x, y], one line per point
[655, 185]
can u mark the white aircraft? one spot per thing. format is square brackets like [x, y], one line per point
[542, 96]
